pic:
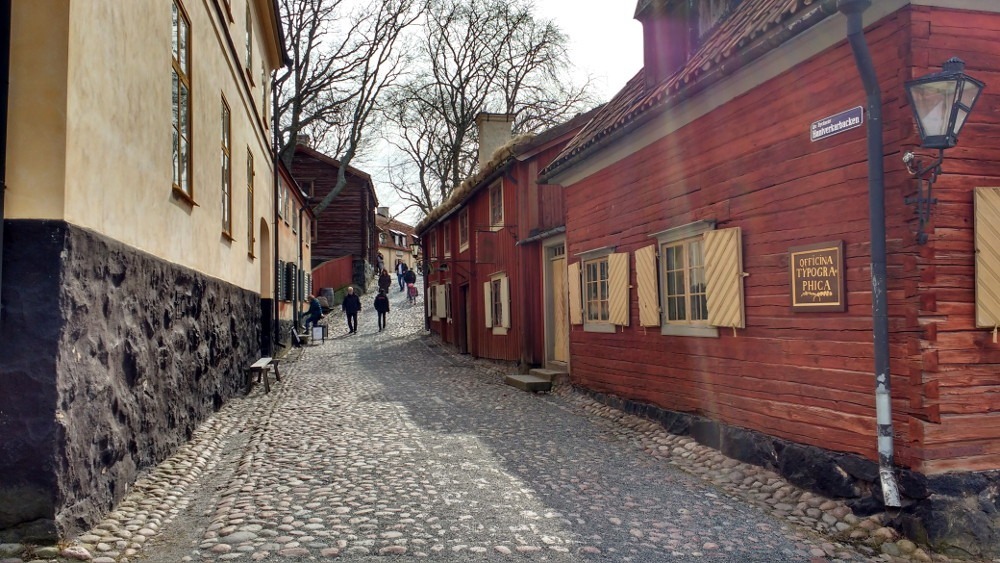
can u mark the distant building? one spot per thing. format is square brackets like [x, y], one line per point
[138, 241]
[346, 228]
[396, 241]
[293, 277]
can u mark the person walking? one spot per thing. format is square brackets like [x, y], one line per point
[400, 270]
[410, 279]
[382, 306]
[351, 306]
[384, 281]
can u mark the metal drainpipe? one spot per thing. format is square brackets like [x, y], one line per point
[5, 17]
[854, 9]
[275, 147]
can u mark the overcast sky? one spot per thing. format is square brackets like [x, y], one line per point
[604, 40]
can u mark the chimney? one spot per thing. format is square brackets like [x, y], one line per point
[303, 139]
[382, 211]
[665, 38]
[495, 131]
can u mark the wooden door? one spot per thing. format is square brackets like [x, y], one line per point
[560, 321]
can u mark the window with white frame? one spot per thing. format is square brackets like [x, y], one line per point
[496, 303]
[432, 245]
[447, 239]
[432, 301]
[599, 290]
[691, 281]
[496, 205]
[249, 45]
[595, 291]
[447, 301]
[181, 98]
[463, 230]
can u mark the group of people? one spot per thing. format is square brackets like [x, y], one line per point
[351, 305]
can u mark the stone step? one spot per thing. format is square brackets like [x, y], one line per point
[548, 374]
[528, 382]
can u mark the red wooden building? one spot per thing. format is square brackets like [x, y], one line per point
[347, 226]
[494, 252]
[704, 225]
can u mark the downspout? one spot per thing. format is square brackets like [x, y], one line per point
[5, 17]
[854, 9]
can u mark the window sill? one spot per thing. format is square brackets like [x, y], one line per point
[499, 331]
[463, 247]
[689, 330]
[184, 196]
[228, 237]
[600, 327]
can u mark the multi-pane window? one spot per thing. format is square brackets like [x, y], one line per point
[684, 273]
[249, 37]
[497, 301]
[595, 287]
[432, 245]
[447, 240]
[250, 179]
[463, 229]
[496, 205]
[181, 101]
[227, 170]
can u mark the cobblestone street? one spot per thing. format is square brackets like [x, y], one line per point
[381, 444]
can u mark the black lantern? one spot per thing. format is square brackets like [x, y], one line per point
[941, 102]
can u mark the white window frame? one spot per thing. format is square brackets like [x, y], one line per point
[446, 229]
[495, 299]
[672, 237]
[431, 299]
[496, 220]
[463, 227]
[595, 257]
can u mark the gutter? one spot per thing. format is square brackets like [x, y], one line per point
[542, 235]
[275, 258]
[5, 24]
[854, 9]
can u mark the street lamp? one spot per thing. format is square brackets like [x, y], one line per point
[941, 103]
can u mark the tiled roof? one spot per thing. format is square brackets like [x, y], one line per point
[754, 28]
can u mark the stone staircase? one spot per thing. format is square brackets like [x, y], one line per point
[536, 380]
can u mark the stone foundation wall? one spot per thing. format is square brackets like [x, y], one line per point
[139, 352]
[953, 514]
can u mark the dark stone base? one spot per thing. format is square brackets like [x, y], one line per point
[957, 514]
[116, 357]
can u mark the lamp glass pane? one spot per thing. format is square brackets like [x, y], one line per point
[970, 90]
[933, 101]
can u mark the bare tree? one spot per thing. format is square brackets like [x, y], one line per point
[480, 55]
[344, 59]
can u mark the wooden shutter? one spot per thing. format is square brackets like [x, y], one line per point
[280, 295]
[575, 303]
[987, 257]
[439, 303]
[505, 301]
[618, 289]
[724, 277]
[647, 287]
[488, 303]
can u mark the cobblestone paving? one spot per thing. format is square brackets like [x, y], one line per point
[385, 444]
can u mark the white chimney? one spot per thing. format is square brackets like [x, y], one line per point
[494, 132]
[303, 139]
[382, 211]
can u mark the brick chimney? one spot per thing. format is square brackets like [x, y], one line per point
[495, 131]
[666, 38]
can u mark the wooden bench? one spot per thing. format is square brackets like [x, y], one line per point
[261, 368]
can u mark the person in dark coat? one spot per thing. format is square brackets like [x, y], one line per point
[382, 306]
[314, 314]
[384, 280]
[351, 306]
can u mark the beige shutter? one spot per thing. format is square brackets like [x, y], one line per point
[724, 277]
[618, 289]
[505, 301]
[575, 304]
[987, 257]
[488, 303]
[646, 286]
[440, 302]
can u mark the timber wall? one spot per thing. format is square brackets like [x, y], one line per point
[804, 377]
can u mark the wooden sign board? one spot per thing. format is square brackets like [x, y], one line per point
[818, 280]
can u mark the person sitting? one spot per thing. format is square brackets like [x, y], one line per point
[314, 314]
